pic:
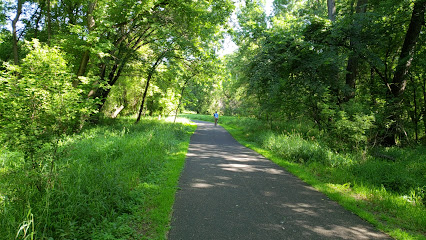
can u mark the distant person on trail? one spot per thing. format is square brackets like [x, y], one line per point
[216, 118]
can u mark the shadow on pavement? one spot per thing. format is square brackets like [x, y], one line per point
[228, 191]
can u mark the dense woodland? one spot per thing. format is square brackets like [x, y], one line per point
[353, 71]
[353, 68]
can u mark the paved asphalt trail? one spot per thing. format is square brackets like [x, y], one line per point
[228, 191]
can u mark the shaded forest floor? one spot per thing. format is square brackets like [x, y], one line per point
[385, 186]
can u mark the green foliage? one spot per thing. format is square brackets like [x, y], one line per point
[106, 179]
[38, 101]
[4, 7]
[293, 147]
[298, 67]
[110, 40]
[349, 126]
[353, 131]
[6, 45]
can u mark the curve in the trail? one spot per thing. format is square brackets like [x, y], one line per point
[228, 191]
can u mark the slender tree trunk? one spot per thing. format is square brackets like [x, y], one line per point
[83, 64]
[415, 118]
[37, 21]
[14, 32]
[352, 67]
[334, 72]
[49, 22]
[180, 99]
[150, 74]
[86, 55]
[424, 104]
[372, 90]
[331, 6]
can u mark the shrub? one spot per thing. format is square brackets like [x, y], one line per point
[352, 130]
[38, 102]
[293, 147]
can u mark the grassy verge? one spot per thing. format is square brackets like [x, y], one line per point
[116, 180]
[389, 191]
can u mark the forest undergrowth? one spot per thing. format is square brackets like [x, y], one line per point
[115, 180]
[385, 186]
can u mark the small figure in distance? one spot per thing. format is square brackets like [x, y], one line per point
[216, 118]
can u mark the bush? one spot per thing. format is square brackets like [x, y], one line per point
[293, 147]
[352, 130]
[38, 102]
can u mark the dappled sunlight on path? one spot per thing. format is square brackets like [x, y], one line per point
[231, 192]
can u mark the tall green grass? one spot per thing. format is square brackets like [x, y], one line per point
[386, 186]
[113, 181]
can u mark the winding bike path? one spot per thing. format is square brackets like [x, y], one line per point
[228, 191]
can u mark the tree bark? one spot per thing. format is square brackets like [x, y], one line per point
[14, 32]
[424, 103]
[37, 21]
[112, 79]
[150, 74]
[399, 81]
[415, 118]
[49, 22]
[331, 6]
[334, 71]
[352, 66]
[102, 93]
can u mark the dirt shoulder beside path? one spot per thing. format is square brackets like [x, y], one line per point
[228, 191]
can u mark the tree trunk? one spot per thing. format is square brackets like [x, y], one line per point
[102, 93]
[86, 55]
[112, 79]
[49, 22]
[83, 64]
[334, 71]
[150, 74]
[415, 118]
[424, 103]
[37, 21]
[14, 32]
[351, 74]
[399, 81]
[352, 67]
[331, 6]
[180, 99]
